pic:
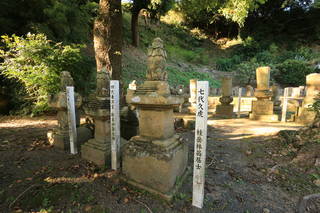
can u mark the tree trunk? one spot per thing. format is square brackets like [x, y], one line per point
[116, 39]
[107, 37]
[135, 28]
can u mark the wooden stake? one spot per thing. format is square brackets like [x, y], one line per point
[200, 144]
[239, 102]
[72, 120]
[115, 124]
[285, 105]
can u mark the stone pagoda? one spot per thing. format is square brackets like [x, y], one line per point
[59, 137]
[98, 149]
[262, 108]
[157, 157]
[305, 115]
[225, 109]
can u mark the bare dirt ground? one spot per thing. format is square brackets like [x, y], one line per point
[247, 172]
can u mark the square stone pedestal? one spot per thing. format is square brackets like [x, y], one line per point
[156, 123]
[98, 153]
[224, 111]
[305, 116]
[155, 166]
[61, 139]
[263, 110]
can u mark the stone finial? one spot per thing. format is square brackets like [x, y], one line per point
[66, 80]
[103, 81]
[156, 61]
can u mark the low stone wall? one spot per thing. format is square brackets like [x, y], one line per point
[246, 103]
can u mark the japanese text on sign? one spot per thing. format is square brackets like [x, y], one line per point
[200, 143]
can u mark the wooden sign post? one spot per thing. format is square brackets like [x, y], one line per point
[239, 102]
[72, 120]
[115, 124]
[200, 143]
[285, 105]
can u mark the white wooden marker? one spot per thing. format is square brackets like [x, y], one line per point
[200, 143]
[285, 105]
[239, 102]
[72, 120]
[115, 124]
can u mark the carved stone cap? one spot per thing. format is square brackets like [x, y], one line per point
[66, 80]
[156, 63]
[103, 82]
[157, 48]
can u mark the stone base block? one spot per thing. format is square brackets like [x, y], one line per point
[262, 107]
[305, 116]
[61, 140]
[99, 153]
[155, 166]
[266, 118]
[96, 152]
[224, 111]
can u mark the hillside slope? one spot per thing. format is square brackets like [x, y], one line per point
[187, 54]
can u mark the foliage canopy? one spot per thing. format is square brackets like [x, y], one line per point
[37, 63]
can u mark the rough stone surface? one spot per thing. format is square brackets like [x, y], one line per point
[155, 166]
[98, 149]
[224, 111]
[305, 115]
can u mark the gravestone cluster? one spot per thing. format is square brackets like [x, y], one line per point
[155, 157]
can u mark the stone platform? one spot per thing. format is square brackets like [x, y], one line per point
[156, 166]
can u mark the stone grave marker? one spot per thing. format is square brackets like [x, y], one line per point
[200, 144]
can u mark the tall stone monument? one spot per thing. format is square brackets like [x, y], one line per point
[98, 149]
[305, 115]
[59, 136]
[262, 109]
[156, 158]
[225, 109]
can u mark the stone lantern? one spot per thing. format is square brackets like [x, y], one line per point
[98, 149]
[157, 157]
[262, 109]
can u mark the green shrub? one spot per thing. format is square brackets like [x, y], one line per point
[292, 72]
[36, 63]
[246, 71]
[228, 64]
[177, 76]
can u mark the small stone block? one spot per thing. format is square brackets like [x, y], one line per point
[224, 111]
[98, 156]
[262, 107]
